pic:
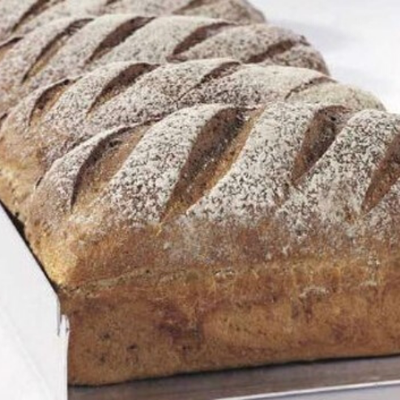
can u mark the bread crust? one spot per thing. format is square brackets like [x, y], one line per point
[227, 256]
[201, 321]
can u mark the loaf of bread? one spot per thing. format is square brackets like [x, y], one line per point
[223, 236]
[55, 119]
[72, 46]
[21, 16]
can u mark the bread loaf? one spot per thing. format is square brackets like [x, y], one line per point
[55, 119]
[22, 16]
[72, 46]
[224, 236]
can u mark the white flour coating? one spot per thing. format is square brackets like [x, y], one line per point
[20, 59]
[242, 42]
[65, 125]
[384, 218]
[252, 85]
[63, 9]
[60, 182]
[334, 191]
[18, 121]
[330, 92]
[11, 12]
[299, 56]
[73, 57]
[152, 7]
[155, 94]
[157, 40]
[142, 188]
[231, 10]
[257, 183]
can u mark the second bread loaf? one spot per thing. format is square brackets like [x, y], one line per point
[73, 46]
[52, 121]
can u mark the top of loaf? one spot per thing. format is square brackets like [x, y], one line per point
[289, 168]
[352, 177]
[22, 16]
[55, 119]
[298, 158]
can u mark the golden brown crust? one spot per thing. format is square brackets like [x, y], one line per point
[197, 320]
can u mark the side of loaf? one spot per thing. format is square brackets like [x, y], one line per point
[22, 16]
[57, 118]
[244, 237]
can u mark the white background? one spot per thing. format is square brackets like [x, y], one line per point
[33, 337]
[360, 39]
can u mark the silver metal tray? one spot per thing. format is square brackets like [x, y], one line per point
[262, 383]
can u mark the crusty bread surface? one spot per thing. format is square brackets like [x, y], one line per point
[56, 118]
[225, 236]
